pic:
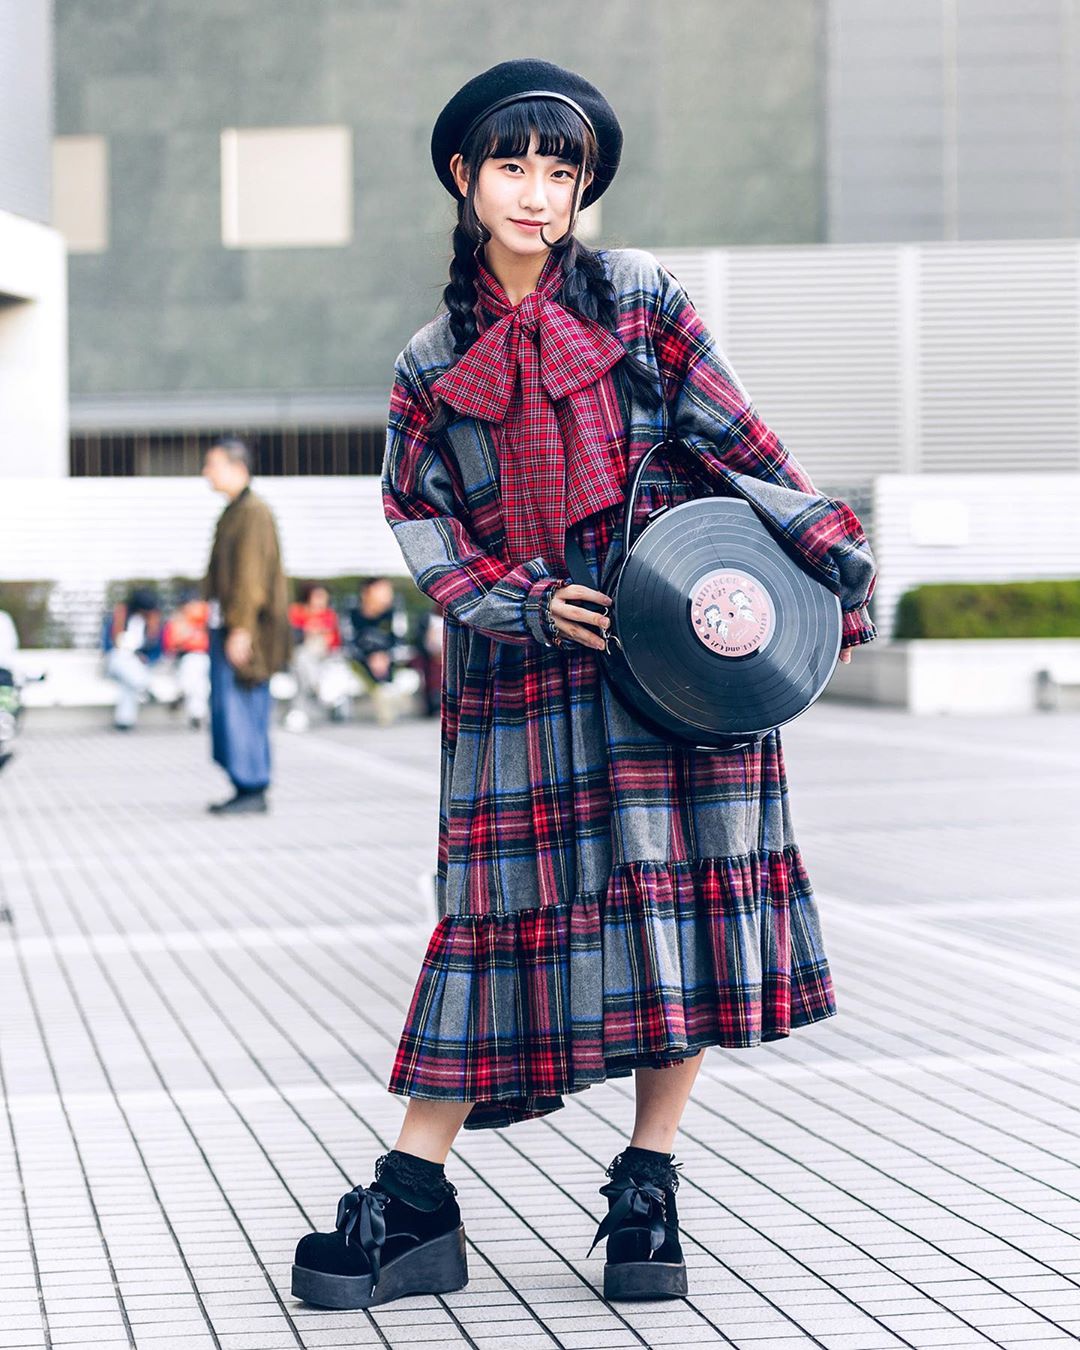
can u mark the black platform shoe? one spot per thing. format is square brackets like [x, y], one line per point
[383, 1247]
[644, 1254]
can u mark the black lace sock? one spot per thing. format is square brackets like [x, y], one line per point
[418, 1181]
[647, 1164]
[651, 1168]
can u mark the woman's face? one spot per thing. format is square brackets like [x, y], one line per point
[523, 188]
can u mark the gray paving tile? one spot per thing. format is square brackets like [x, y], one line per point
[194, 1061]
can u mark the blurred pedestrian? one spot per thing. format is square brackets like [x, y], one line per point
[187, 640]
[429, 643]
[322, 675]
[373, 624]
[249, 627]
[133, 643]
[311, 617]
[10, 700]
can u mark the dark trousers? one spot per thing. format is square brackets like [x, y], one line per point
[239, 721]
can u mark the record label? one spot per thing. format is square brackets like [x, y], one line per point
[731, 613]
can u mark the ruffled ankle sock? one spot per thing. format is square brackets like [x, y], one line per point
[418, 1181]
[647, 1164]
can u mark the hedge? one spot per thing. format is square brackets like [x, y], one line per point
[344, 591]
[28, 601]
[28, 604]
[983, 609]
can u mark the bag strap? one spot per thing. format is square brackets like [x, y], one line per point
[578, 567]
[576, 564]
[579, 570]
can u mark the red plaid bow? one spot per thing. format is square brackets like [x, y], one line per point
[535, 373]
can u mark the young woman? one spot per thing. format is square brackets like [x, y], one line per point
[610, 903]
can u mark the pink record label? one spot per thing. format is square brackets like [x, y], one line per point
[731, 613]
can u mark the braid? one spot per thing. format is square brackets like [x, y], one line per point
[586, 287]
[459, 297]
[460, 293]
[588, 290]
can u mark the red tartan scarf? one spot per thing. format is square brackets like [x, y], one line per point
[533, 373]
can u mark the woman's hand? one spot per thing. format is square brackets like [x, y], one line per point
[575, 622]
[845, 655]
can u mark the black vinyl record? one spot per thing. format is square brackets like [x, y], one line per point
[720, 626]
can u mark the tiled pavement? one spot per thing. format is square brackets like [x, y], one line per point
[197, 1018]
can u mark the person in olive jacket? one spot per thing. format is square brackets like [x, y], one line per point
[249, 628]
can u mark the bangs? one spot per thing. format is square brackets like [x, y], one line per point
[559, 131]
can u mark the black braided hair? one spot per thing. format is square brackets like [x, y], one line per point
[586, 288]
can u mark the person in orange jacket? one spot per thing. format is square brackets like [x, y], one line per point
[187, 641]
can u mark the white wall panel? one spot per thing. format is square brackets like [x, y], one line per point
[971, 527]
[999, 355]
[95, 529]
[887, 358]
[33, 349]
[85, 532]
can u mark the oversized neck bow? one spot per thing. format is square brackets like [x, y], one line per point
[535, 373]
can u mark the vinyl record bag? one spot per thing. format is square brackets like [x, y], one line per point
[718, 635]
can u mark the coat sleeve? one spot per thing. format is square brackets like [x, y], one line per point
[715, 415]
[475, 587]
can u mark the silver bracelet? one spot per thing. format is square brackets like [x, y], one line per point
[548, 619]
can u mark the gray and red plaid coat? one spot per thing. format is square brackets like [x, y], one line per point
[606, 899]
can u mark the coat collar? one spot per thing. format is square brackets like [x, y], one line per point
[242, 496]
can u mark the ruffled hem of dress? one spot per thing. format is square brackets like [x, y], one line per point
[512, 1011]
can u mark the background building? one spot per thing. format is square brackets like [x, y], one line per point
[874, 207]
[255, 229]
[33, 316]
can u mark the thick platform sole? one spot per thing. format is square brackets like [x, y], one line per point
[644, 1279]
[436, 1267]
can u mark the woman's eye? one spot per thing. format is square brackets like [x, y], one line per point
[562, 171]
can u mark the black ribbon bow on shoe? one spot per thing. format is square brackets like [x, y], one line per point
[364, 1206]
[637, 1199]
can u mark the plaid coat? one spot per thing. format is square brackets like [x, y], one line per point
[606, 899]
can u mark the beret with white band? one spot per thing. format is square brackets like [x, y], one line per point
[512, 82]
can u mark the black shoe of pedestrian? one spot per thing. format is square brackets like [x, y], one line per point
[384, 1247]
[242, 803]
[644, 1255]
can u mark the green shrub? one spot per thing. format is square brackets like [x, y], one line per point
[343, 591]
[985, 609]
[28, 604]
[168, 591]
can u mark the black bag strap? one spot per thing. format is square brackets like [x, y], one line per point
[578, 567]
[580, 571]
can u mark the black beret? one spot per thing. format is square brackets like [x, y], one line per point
[511, 81]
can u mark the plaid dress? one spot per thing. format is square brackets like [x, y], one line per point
[606, 900]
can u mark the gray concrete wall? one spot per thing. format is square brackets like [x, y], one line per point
[721, 102]
[953, 119]
[26, 107]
